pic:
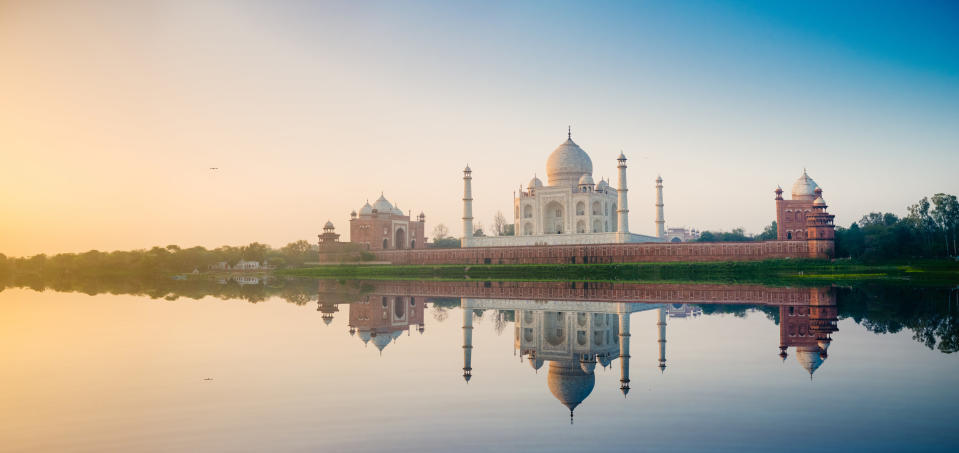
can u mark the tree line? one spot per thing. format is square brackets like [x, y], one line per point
[163, 260]
[929, 230]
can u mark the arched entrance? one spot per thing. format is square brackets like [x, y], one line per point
[554, 218]
[400, 239]
[386, 243]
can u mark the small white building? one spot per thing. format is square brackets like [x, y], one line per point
[244, 265]
[682, 234]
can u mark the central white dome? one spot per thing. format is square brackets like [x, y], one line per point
[382, 205]
[567, 164]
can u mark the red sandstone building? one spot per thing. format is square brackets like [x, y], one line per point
[804, 217]
[383, 226]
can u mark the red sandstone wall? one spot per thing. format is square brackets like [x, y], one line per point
[607, 253]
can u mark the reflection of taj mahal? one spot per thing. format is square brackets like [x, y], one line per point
[572, 329]
[573, 337]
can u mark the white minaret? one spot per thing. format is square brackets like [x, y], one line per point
[467, 204]
[624, 348]
[660, 220]
[662, 339]
[622, 210]
[467, 340]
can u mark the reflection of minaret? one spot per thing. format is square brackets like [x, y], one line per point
[624, 349]
[662, 339]
[467, 340]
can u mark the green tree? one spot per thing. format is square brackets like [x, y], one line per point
[769, 233]
[946, 216]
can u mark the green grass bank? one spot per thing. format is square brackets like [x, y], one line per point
[772, 272]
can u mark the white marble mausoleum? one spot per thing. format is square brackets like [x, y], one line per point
[570, 209]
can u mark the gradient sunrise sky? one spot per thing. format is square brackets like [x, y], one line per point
[112, 112]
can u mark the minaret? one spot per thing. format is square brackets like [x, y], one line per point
[623, 348]
[660, 220]
[622, 210]
[662, 339]
[467, 205]
[467, 340]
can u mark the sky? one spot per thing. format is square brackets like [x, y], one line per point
[113, 112]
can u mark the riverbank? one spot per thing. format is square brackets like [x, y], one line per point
[775, 272]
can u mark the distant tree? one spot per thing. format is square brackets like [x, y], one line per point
[736, 235]
[295, 253]
[446, 243]
[255, 252]
[946, 216]
[509, 230]
[440, 232]
[479, 233]
[769, 233]
[499, 224]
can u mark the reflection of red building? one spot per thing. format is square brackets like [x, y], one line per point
[382, 319]
[808, 328]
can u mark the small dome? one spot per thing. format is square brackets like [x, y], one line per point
[327, 321]
[819, 202]
[365, 336]
[604, 360]
[536, 363]
[535, 182]
[804, 188]
[602, 185]
[567, 163]
[382, 205]
[328, 225]
[587, 366]
[366, 209]
[569, 383]
[621, 156]
[353, 213]
[586, 180]
[381, 341]
[809, 358]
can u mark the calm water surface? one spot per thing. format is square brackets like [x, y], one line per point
[479, 366]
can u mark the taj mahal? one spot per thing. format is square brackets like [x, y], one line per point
[570, 209]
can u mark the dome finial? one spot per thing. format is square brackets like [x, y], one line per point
[570, 416]
[569, 132]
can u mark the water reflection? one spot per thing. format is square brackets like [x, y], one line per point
[571, 328]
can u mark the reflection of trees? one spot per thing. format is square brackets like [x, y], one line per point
[500, 322]
[927, 312]
[298, 291]
[440, 313]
